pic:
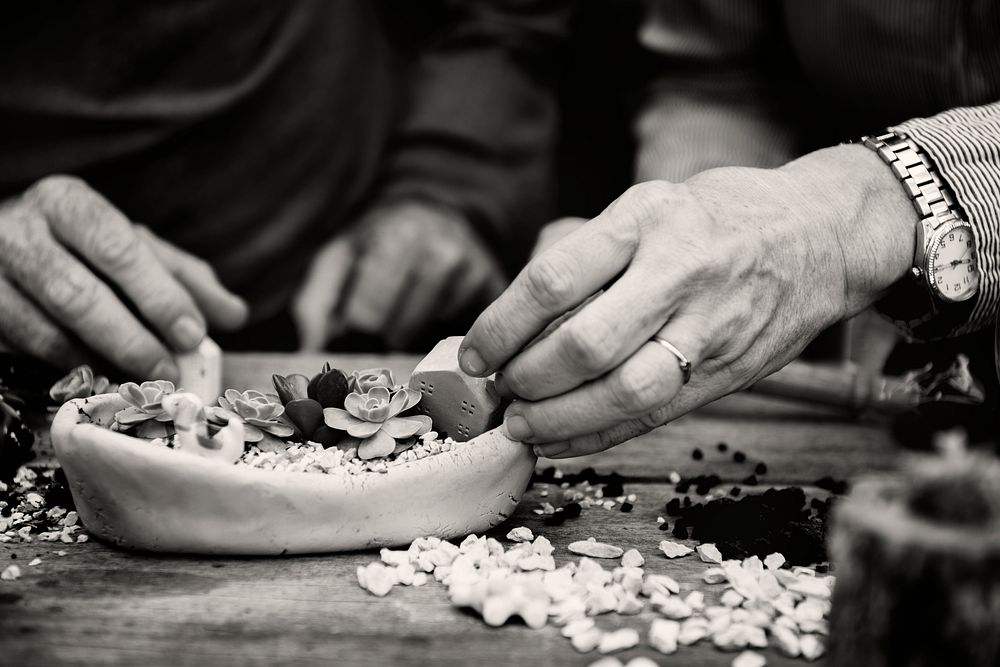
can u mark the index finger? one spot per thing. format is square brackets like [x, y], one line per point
[101, 234]
[553, 283]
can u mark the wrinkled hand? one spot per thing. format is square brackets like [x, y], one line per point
[78, 279]
[738, 268]
[401, 268]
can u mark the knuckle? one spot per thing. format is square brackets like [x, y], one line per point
[591, 346]
[115, 250]
[72, 294]
[549, 282]
[55, 187]
[637, 389]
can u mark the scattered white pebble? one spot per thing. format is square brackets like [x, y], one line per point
[774, 561]
[749, 659]
[785, 639]
[714, 575]
[632, 558]
[595, 549]
[810, 647]
[674, 549]
[674, 477]
[10, 573]
[587, 641]
[34, 562]
[660, 520]
[607, 661]
[708, 553]
[663, 635]
[641, 661]
[520, 534]
[60, 553]
[618, 640]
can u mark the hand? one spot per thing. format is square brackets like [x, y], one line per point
[738, 268]
[77, 279]
[401, 268]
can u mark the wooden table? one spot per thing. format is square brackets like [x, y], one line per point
[99, 605]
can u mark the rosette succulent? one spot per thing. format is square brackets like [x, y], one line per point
[366, 380]
[373, 417]
[259, 413]
[80, 383]
[145, 408]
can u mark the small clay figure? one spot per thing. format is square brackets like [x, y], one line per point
[461, 406]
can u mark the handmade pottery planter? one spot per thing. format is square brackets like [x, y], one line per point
[141, 496]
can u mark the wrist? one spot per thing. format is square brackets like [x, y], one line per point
[862, 202]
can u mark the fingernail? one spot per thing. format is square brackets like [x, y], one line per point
[188, 332]
[166, 370]
[550, 449]
[471, 362]
[517, 428]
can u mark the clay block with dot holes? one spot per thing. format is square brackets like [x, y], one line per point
[459, 405]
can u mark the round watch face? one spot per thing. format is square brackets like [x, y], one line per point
[951, 264]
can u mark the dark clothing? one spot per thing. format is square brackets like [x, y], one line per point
[248, 132]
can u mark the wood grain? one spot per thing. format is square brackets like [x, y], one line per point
[100, 605]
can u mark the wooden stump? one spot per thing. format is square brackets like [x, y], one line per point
[917, 559]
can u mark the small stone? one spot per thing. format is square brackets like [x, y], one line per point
[774, 561]
[586, 641]
[660, 583]
[663, 635]
[579, 626]
[10, 573]
[714, 575]
[693, 630]
[708, 553]
[595, 549]
[749, 659]
[674, 549]
[675, 609]
[520, 534]
[695, 600]
[606, 662]
[810, 647]
[731, 598]
[641, 661]
[632, 558]
[618, 640]
[786, 640]
[34, 562]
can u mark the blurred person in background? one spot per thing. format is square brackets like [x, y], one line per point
[298, 173]
[753, 229]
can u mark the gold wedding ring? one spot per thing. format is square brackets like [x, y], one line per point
[682, 361]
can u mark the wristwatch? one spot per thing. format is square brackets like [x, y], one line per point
[945, 262]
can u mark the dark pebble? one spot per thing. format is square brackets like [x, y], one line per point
[722, 447]
[697, 454]
[571, 510]
[750, 481]
[680, 532]
[555, 519]
[822, 568]
[626, 507]
[735, 491]
[665, 525]
[687, 501]
[761, 468]
[739, 457]
[673, 507]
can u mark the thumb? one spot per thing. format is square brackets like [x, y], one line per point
[315, 303]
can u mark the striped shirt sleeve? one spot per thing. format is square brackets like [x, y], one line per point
[964, 144]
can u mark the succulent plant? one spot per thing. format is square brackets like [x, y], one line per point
[304, 400]
[190, 420]
[80, 383]
[330, 387]
[365, 380]
[258, 412]
[372, 417]
[145, 402]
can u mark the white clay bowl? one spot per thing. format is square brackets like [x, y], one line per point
[138, 495]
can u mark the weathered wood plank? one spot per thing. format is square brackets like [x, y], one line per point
[100, 605]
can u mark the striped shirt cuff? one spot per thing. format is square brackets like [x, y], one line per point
[964, 144]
